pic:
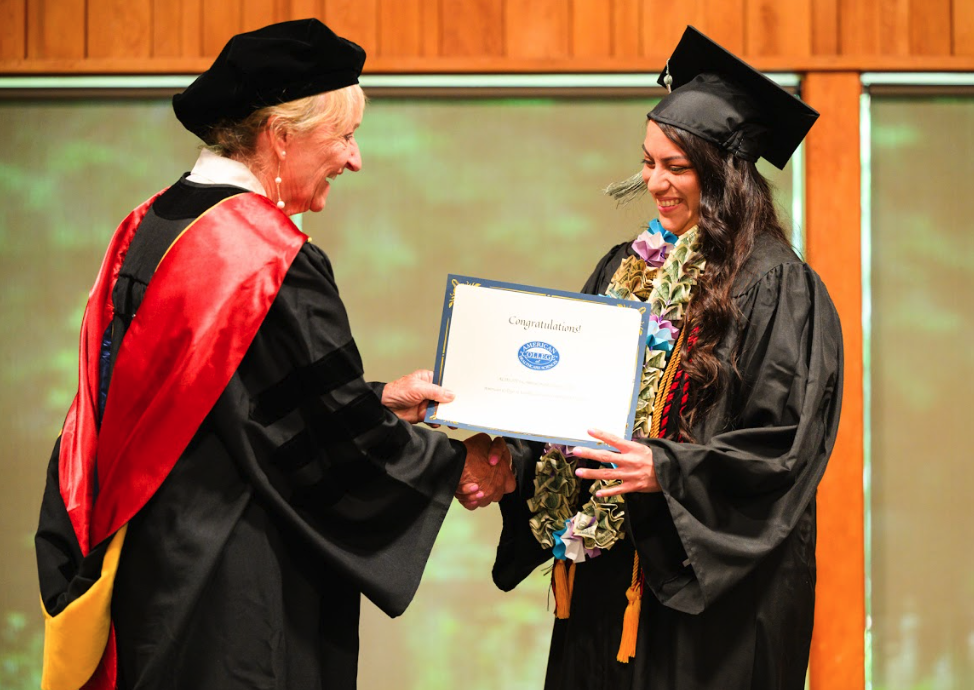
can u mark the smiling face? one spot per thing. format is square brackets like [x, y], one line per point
[312, 160]
[671, 179]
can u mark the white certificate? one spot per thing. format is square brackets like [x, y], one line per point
[538, 364]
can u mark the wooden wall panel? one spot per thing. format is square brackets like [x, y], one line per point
[432, 28]
[473, 28]
[400, 27]
[591, 29]
[177, 28]
[257, 13]
[825, 27]
[222, 19]
[876, 27]
[662, 23]
[119, 28]
[963, 28]
[538, 29]
[725, 22]
[105, 36]
[627, 28]
[357, 19]
[13, 29]
[305, 9]
[55, 29]
[833, 232]
[857, 27]
[929, 27]
[775, 28]
[893, 27]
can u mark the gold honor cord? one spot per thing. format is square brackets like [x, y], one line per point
[630, 622]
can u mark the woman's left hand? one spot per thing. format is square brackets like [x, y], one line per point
[634, 465]
[408, 396]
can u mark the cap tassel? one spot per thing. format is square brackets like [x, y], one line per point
[563, 582]
[630, 622]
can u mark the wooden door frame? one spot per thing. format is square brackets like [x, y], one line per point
[833, 234]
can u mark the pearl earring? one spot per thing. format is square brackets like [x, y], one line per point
[277, 181]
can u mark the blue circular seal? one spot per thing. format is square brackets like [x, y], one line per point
[538, 355]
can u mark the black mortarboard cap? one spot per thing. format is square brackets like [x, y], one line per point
[276, 64]
[722, 99]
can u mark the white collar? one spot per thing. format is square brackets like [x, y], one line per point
[213, 169]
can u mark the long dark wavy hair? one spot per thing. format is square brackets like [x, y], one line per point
[736, 206]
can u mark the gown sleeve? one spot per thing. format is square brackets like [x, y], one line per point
[361, 488]
[728, 501]
[518, 552]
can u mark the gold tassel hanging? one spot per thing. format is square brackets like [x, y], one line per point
[630, 623]
[563, 582]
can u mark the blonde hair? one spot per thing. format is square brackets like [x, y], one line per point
[337, 109]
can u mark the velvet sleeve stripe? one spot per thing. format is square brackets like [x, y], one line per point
[370, 424]
[298, 460]
[358, 417]
[374, 431]
[305, 463]
[335, 369]
[359, 431]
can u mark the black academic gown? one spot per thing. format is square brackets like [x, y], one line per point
[299, 492]
[728, 547]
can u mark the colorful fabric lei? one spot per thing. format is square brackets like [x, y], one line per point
[663, 274]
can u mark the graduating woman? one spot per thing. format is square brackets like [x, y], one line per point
[227, 485]
[686, 561]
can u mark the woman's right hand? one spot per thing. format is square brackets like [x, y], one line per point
[633, 465]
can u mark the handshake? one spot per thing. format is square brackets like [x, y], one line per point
[487, 473]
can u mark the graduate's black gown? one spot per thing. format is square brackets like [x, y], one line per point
[299, 492]
[728, 547]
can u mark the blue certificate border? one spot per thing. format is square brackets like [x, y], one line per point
[453, 280]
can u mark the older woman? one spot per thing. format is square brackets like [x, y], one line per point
[687, 560]
[226, 483]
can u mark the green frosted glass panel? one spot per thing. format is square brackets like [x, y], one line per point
[921, 362]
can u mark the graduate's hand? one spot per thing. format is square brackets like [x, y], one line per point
[409, 396]
[634, 465]
[487, 474]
